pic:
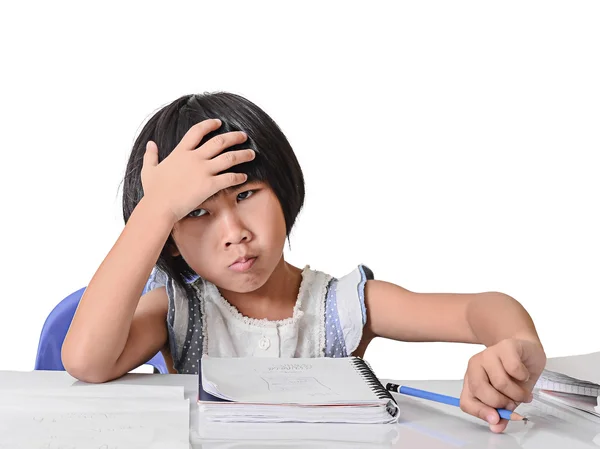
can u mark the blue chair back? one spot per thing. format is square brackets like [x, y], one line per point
[55, 329]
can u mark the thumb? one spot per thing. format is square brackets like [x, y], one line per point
[151, 155]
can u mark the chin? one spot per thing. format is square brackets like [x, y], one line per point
[242, 289]
[240, 283]
[249, 285]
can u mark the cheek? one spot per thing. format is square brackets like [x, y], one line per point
[189, 238]
[274, 220]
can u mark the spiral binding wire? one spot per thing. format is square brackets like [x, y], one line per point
[368, 375]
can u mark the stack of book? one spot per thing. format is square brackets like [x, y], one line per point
[338, 400]
[271, 390]
[572, 383]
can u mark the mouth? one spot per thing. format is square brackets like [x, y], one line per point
[242, 264]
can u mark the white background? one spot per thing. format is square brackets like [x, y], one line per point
[450, 146]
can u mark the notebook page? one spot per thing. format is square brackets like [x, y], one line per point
[298, 433]
[558, 382]
[82, 423]
[585, 367]
[544, 384]
[561, 378]
[281, 380]
[584, 403]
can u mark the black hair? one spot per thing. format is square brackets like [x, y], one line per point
[275, 162]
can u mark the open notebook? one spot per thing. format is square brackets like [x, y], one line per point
[559, 382]
[315, 390]
[580, 405]
[573, 374]
[572, 383]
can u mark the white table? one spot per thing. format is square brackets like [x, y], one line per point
[422, 425]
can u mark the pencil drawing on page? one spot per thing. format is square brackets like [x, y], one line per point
[307, 384]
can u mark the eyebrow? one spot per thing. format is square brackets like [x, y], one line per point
[230, 190]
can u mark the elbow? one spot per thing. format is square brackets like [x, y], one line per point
[499, 295]
[499, 300]
[79, 366]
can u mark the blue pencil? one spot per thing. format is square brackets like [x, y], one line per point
[504, 414]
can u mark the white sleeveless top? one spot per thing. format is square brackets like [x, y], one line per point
[327, 320]
[230, 334]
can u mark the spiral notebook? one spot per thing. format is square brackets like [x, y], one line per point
[315, 390]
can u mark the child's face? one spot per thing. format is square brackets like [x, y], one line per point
[234, 239]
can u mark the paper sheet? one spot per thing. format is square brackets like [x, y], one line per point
[584, 403]
[52, 422]
[301, 433]
[552, 381]
[583, 367]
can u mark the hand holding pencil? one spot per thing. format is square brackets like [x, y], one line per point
[501, 377]
[443, 399]
[498, 379]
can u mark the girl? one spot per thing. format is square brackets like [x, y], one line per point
[211, 192]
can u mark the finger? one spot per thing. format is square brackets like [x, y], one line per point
[151, 155]
[218, 143]
[227, 160]
[500, 427]
[227, 180]
[473, 406]
[511, 360]
[498, 372]
[196, 133]
[481, 388]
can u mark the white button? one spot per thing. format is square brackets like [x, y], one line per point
[264, 343]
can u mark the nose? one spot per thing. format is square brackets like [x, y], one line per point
[234, 230]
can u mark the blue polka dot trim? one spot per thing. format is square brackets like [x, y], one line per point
[335, 345]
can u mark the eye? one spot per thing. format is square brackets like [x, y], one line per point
[197, 213]
[245, 195]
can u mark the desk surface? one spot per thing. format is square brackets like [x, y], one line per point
[422, 424]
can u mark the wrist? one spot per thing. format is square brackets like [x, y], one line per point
[530, 337]
[154, 212]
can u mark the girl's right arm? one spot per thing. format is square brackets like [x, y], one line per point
[113, 330]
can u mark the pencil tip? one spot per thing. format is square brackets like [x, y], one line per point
[525, 420]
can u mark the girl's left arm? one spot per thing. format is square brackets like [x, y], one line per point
[501, 376]
[481, 318]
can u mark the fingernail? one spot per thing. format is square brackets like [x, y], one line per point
[491, 419]
[530, 398]
[511, 406]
